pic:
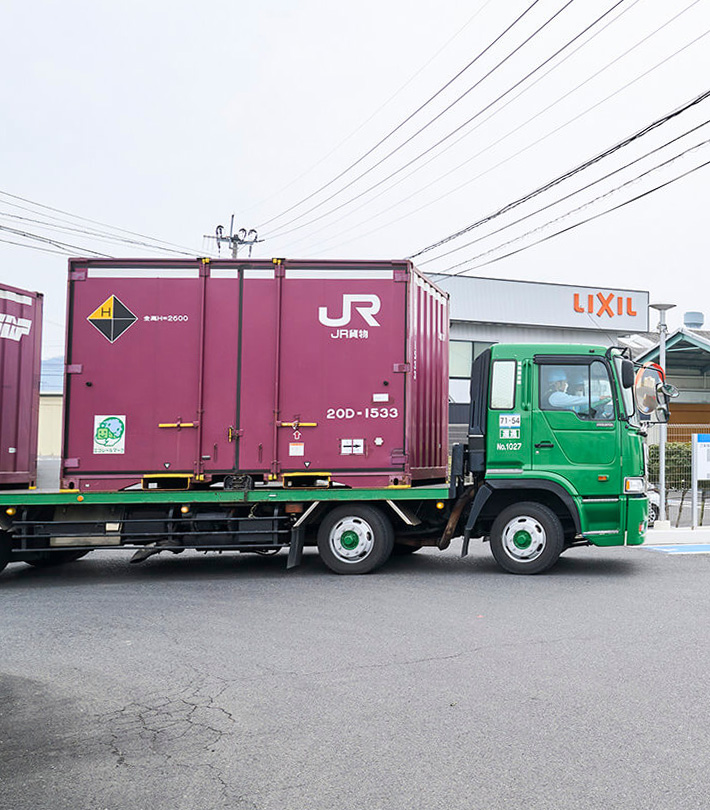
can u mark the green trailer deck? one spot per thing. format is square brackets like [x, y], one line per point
[18, 498]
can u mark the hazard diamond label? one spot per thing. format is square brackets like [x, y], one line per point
[112, 318]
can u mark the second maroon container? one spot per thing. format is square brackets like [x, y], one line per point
[20, 357]
[182, 373]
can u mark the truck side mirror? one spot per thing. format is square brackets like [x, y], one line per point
[627, 374]
[662, 415]
[668, 391]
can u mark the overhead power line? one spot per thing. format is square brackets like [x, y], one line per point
[102, 236]
[584, 221]
[501, 139]
[34, 247]
[566, 175]
[453, 132]
[187, 251]
[569, 196]
[400, 125]
[38, 238]
[367, 120]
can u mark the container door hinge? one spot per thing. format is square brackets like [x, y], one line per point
[76, 368]
[234, 433]
[402, 367]
[399, 457]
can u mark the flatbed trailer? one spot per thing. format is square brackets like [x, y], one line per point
[52, 527]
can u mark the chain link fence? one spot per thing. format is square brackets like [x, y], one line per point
[678, 473]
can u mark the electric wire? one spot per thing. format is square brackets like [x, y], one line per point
[94, 222]
[456, 168]
[405, 121]
[279, 233]
[567, 196]
[47, 240]
[578, 224]
[371, 117]
[439, 178]
[34, 247]
[579, 208]
[99, 235]
[570, 172]
[419, 131]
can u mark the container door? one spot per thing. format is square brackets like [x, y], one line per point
[219, 434]
[134, 363]
[576, 435]
[20, 340]
[342, 371]
[260, 319]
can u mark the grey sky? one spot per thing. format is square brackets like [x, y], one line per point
[164, 118]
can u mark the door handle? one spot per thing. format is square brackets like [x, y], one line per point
[545, 444]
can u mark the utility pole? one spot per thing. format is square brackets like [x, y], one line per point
[663, 331]
[235, 240]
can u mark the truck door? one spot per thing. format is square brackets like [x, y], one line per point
[508, 441]
[576, 432]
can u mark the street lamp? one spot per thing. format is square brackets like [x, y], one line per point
[663, 330]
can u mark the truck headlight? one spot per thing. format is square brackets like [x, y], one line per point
[636, 486]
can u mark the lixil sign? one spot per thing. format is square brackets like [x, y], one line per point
[489, 300]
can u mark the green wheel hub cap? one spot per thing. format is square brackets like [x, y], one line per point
[349, 540]
[522, 539]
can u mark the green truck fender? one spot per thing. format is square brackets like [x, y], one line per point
[488, 488]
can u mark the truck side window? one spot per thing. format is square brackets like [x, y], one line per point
[503, 384]
[582, 389]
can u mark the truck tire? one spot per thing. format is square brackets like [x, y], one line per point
[5, 549]
[355, 539]
[44, 559]
[527, 538]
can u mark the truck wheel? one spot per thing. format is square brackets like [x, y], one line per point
[44, 559]
[527, 538]
[355, 539]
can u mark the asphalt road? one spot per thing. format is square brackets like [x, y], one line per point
[198, 682]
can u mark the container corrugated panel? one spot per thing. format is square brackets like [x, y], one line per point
[20, 357]
[283, 371]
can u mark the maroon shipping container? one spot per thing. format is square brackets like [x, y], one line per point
[20, 358]
[181, 373]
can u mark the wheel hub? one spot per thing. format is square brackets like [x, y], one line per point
[524, 539]
[351, 539]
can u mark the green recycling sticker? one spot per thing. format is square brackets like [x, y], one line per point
[109, 434]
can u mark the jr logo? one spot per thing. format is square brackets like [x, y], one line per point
[13, 328]
[366, 305]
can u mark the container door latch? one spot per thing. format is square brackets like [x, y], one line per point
[233, 433]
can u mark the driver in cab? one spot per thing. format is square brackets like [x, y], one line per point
[559, 398]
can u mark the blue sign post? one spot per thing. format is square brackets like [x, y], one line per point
[700, 468]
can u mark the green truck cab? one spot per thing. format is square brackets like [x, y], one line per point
[556, 451]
